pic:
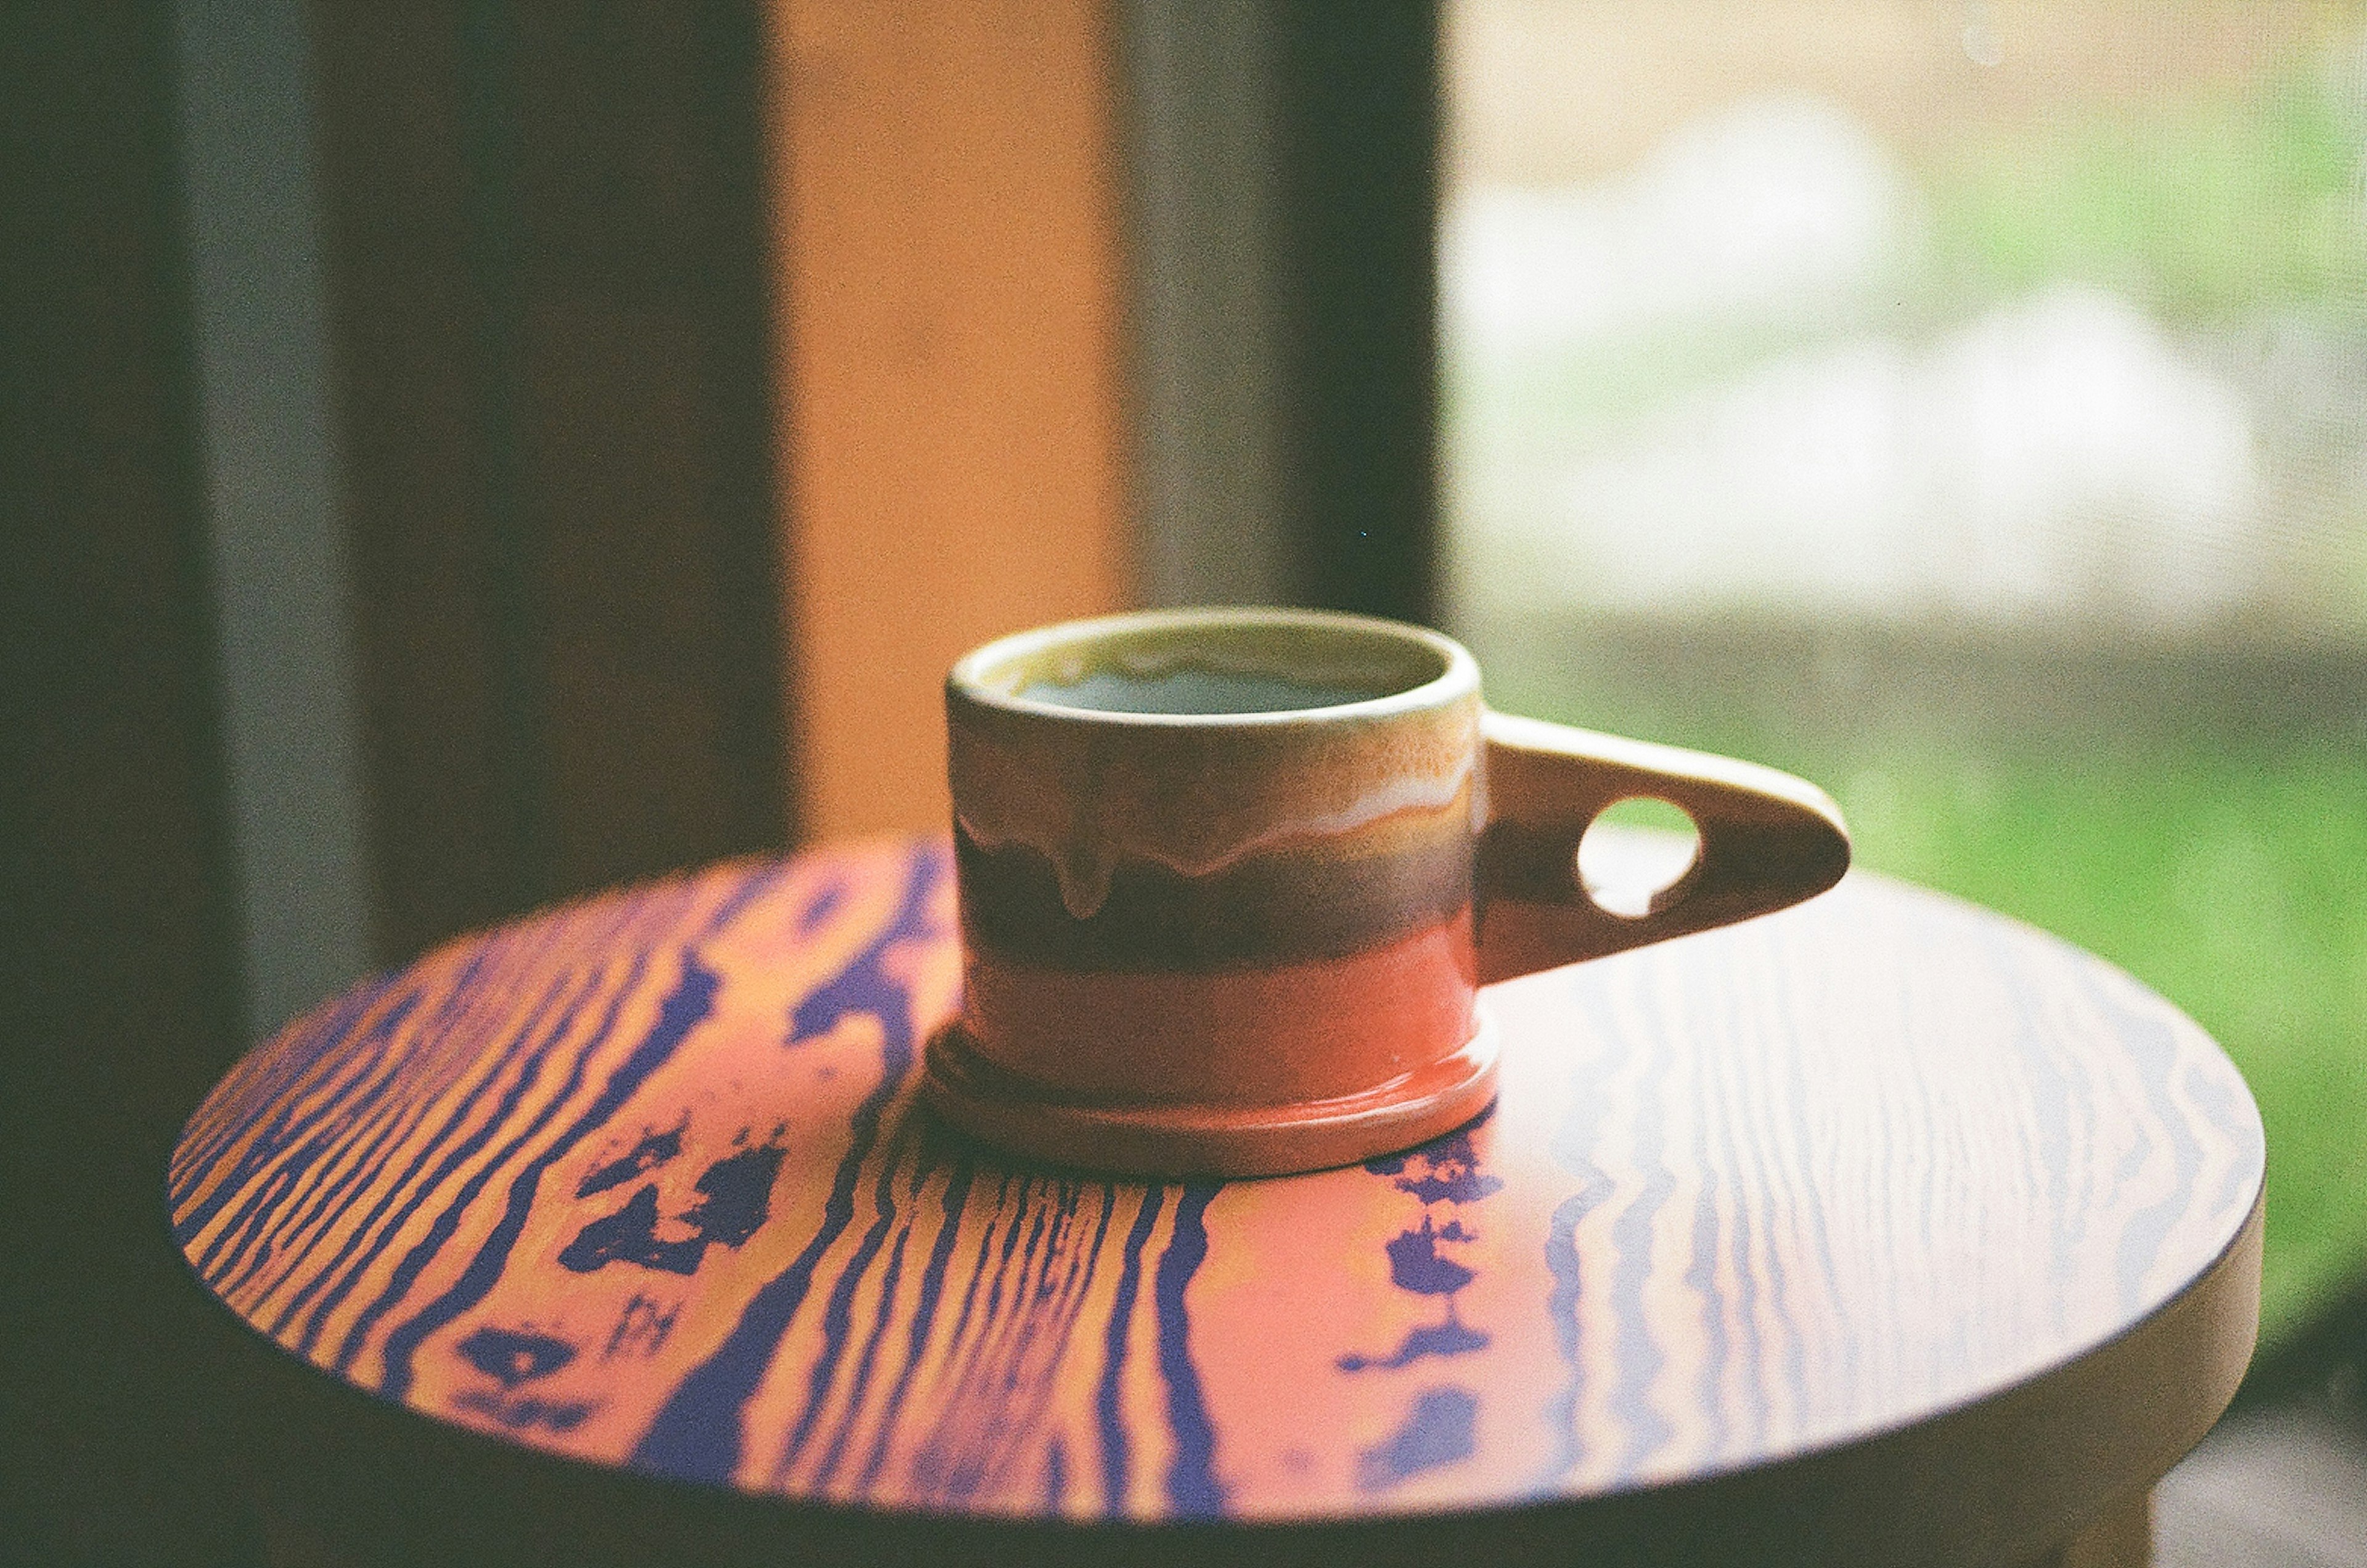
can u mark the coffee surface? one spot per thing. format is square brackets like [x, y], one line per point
[1194, 690]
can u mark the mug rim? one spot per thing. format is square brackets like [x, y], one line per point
[1459, 676]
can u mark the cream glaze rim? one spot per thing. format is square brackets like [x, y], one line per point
[1459, 679]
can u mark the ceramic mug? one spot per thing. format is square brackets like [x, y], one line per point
[1231, 880]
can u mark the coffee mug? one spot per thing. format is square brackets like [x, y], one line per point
[1231, 880]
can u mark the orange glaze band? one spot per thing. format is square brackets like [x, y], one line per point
[1269, 1036]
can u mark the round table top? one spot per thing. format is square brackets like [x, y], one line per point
[641, 1181]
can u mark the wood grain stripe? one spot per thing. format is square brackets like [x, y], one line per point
[696, 1433]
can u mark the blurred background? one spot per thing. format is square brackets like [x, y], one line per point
[1965, 407]
[460, 455]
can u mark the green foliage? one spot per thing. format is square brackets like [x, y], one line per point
[2205, 208]
[2233, 884]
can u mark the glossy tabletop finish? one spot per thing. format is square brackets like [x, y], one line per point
[1950, 1226]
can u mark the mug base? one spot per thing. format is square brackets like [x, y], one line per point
[1001, 1108]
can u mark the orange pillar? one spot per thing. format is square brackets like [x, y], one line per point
[947, 210]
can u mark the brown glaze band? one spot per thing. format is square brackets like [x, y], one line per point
[1277, 1035]
[1309, 901]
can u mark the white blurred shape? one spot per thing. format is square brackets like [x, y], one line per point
[1777, 208]
[2056, 458]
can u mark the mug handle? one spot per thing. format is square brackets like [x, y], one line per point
[1767, 840]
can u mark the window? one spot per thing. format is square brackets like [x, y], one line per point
[1965, 406]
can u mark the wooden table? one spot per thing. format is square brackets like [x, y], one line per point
[1881, 1230]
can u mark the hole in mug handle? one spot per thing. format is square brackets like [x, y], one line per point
[1633, 852]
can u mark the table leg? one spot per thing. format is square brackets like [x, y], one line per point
[2118, 1537]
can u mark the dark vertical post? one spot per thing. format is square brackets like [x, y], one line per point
[1357, 147]
[492, 236]
[406, 341]
[643, 507]
[119, 978]
[549, 326]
